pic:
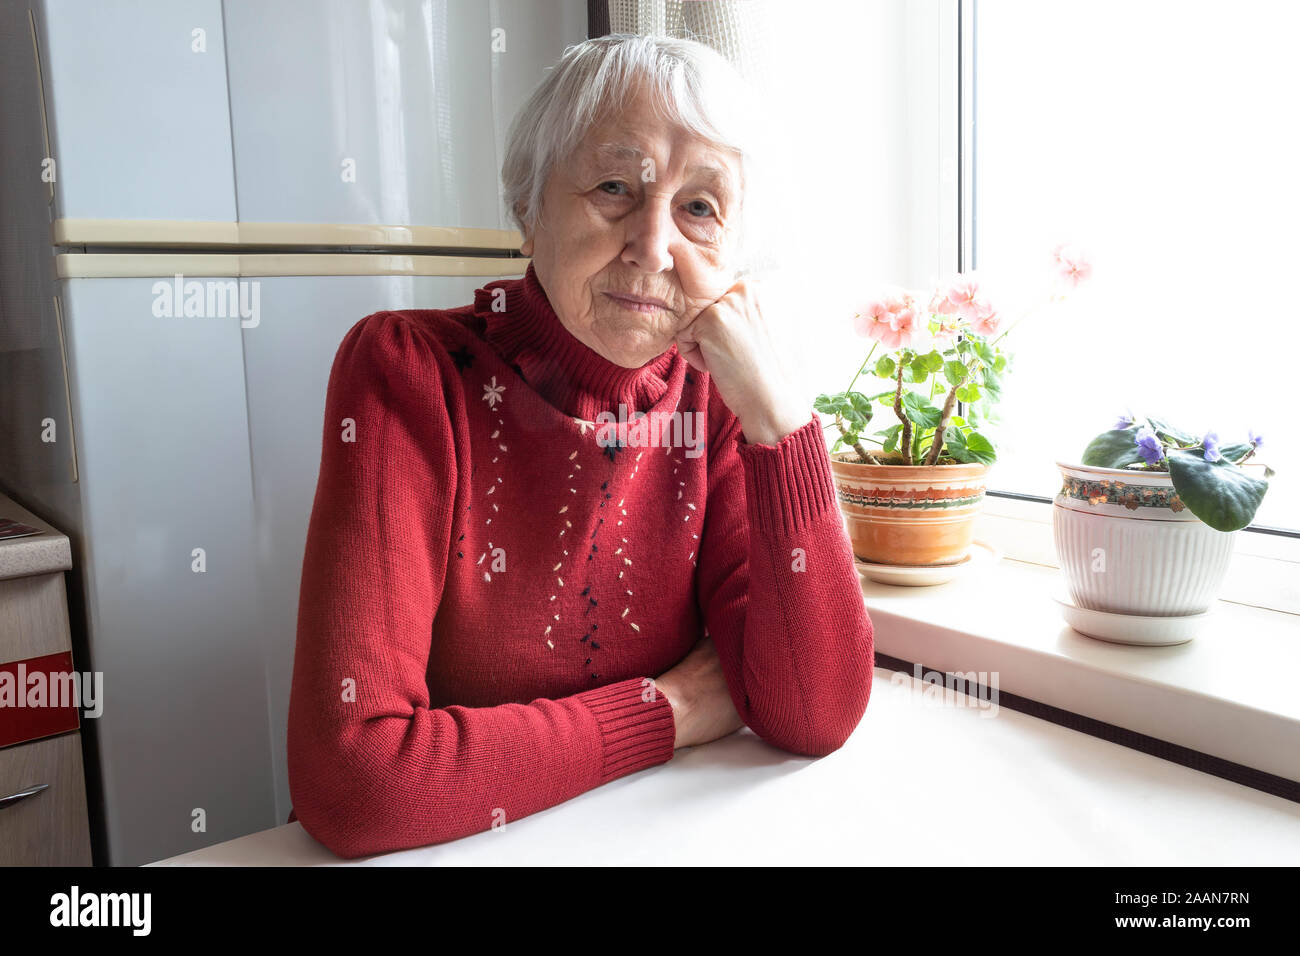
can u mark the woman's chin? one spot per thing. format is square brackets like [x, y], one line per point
[631, 343]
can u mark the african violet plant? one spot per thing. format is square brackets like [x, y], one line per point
[1207, 475]
[947, 352]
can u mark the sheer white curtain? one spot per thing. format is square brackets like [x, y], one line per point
[732, 27]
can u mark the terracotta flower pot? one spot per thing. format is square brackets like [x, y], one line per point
[915, 515]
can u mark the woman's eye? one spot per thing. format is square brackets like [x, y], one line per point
[615, 191]
[699, 208]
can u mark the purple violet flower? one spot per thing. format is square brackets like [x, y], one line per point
[1149, 445]
[1211, 444]
[1256, 440]
[1124, 421]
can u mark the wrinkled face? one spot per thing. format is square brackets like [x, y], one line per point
[637, 233]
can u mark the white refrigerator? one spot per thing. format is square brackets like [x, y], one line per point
[288, 166]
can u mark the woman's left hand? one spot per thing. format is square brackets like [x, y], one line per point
[731, 341]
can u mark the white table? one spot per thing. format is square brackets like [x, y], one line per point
[919, 783]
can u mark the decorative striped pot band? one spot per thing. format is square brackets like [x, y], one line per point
[1104, 491]
[914, 498]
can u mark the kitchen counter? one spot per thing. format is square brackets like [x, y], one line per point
[33, 553]
[920, 782]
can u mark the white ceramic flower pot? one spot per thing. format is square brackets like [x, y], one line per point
[1128, 545]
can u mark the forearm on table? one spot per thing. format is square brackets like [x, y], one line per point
[796, 639]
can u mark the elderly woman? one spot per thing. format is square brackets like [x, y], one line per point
[513, 590]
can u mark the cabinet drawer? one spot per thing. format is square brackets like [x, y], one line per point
[33, 616]
[48, 826]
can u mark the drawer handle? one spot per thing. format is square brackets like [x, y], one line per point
[13, 798]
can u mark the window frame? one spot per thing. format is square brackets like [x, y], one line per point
[958, 111]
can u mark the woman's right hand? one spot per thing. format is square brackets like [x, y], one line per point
[701, 702]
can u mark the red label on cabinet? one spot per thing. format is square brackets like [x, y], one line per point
[39, 698]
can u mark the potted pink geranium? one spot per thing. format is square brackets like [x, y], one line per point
[911, 490]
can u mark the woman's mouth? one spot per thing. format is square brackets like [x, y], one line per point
[637, 303]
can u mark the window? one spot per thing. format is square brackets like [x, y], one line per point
[1161, 137]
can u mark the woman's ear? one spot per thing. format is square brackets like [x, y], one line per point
[526, 247]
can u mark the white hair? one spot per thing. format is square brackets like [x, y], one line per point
[693, 86]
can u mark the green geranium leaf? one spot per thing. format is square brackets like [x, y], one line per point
[954, 372]
[859, 410]
[824, 403]
[1218, 492]
[885, 367]
[1116, 448]
[835, 402]
[919, 409]
[970, 392]
[933, 361]
[890, 440]
[839, 443]
[918, 371]
[970, 448]
[955, 443]
[1001, 364]
[984, 351]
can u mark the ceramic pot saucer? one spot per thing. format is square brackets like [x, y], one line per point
[912, 576]
[1138, 629]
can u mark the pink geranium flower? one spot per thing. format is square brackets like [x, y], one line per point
[959, 301]
[893, 321]
[986, 319]
[1072, 264]
[948, 328]
[903, 327]
[870, 319]
[963, 297]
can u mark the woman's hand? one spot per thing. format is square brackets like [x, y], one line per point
[730, 340]
[702, 707]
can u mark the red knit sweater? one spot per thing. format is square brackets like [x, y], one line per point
[491, 578]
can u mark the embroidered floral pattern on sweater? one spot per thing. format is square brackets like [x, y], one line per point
[690, 510]
[492, 394]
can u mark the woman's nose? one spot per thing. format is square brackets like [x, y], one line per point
[651, 234]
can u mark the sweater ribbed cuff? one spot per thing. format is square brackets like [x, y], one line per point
[637, 733]
[788, 485]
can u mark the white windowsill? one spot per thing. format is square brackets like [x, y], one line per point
[1227, 693]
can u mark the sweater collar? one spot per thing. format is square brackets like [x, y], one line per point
[564, 371]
